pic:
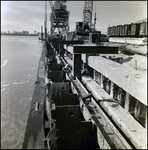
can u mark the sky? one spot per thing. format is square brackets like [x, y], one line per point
[29, 15]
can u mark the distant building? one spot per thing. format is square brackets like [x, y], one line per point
[14, 32]
[25, 32]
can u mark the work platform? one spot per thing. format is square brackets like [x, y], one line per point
[125, 75]
[99, 87]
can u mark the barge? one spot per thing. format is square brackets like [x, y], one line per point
[88, 94]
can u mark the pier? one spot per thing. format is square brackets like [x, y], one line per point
[89, 93]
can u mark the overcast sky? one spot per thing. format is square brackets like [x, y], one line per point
[29, 15]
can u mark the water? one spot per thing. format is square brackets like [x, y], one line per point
[19, 62]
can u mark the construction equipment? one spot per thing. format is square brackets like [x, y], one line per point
[59, 17]
[86, 25]
[45, 20]
[87, 14]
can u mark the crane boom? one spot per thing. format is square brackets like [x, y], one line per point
[87, 13]
[45, 20]
[52, 8]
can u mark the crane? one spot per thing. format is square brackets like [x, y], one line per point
[86, 24]
[87, 14]
[45, 20]
[59, 17]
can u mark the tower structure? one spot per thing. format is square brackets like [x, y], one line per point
[87, 13]
[59, 17]
[45, 20]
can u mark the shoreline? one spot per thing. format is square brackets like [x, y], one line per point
[20, 34]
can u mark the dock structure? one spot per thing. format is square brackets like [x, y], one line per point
[98, 91]
[118, 81]
[88, 94]
[34, 134]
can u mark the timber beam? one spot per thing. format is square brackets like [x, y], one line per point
[107, 136]
[125, 77]
[126, 122]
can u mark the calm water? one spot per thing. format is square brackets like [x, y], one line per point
[19, 61]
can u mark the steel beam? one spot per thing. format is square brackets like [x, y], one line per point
[77, 65]
[70, 42]
[90, 49]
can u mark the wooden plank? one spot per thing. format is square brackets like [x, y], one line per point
[124, 77]
[120, 75]
[111, 134]
[107, 135]
[103, 95]
[125, 40]
[130, 127]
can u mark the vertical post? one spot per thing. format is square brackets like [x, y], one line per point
[127, 101]
[119, 97]
[98, 35]
[108, 82]
[66, 50]
[90, 37]
[140, 113]
[42, 33]
[102, 81]
[94, 74]
[112, 89]
[77, 65]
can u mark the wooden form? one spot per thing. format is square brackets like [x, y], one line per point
[126, 78]
[107, 136]
[107, 106]
[113, 85]
[131, 128]
[78, 50]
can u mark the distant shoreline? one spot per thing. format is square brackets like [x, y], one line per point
[19, 34]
